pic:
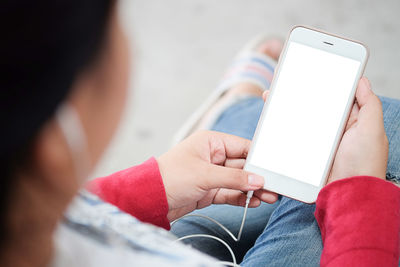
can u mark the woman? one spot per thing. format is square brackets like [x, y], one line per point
[65, 65]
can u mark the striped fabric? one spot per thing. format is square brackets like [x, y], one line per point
[249, 67]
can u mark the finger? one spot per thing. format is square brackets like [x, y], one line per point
[265, 95]
[231, 178]
[233, 146]
[353, 116]
[369, 104]
[235, 163]
[254, 202]
[234, 197]
[266, 196]
[364, 92]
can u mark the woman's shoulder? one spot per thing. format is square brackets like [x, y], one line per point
[96, 233]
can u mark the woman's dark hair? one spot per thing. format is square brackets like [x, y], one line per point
[44, 45]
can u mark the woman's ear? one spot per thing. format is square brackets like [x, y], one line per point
[52, 161]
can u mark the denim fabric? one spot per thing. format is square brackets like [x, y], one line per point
[391, 118]
[286, 232]
[291, 238]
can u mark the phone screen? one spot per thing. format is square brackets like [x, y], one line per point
[303, 118]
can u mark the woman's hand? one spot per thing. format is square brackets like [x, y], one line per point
[206, 169]
[364, 146]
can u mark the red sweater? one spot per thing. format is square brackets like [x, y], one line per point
[359, 217]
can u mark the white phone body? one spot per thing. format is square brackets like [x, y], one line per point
[305, 115]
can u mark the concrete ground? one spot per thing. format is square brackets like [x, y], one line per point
[181, 48]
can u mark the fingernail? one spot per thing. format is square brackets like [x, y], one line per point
[255, 180]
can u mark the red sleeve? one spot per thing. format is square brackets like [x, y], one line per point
[359, 218]
[138, 191]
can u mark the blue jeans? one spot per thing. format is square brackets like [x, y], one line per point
[281, 234]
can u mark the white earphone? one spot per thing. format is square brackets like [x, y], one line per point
[75, 137]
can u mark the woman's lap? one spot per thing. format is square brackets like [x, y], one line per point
[292, 235]
[291, 238]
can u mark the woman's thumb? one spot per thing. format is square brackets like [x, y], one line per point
[364, 92]
[369, 103]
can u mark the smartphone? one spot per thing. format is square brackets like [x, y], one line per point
[305, 115]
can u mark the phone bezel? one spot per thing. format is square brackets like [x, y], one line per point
[282, 184]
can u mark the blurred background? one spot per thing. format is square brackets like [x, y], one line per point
[180, 49]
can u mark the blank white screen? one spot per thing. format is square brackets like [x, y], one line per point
[303, 117]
